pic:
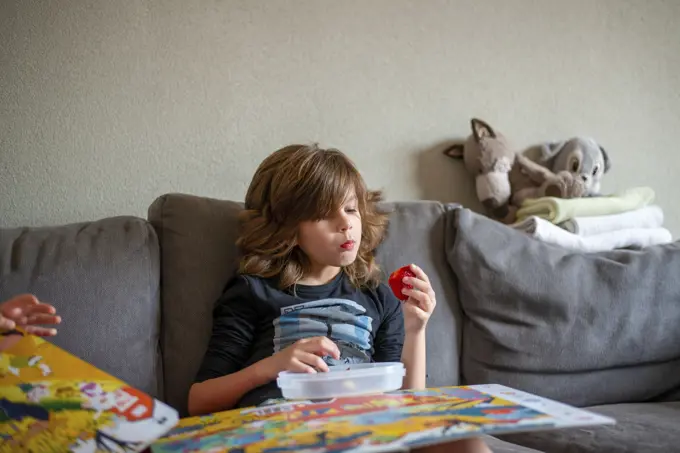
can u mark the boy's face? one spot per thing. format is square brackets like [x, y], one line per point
[333, 241]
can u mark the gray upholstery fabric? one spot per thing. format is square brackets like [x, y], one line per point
[585, 329]
[643, 428]
[416, 235]
[502, 446]
[103, 278]
[199, 255]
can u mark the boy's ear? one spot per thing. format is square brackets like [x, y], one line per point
[481, 129]
[455, 151]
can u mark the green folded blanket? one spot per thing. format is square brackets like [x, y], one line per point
[557, 210]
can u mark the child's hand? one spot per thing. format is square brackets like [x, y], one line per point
[26, 312]
[303, 356]
[421, 301]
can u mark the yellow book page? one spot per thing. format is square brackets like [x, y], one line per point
[52, 401]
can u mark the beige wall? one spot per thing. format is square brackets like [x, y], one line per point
[104, 108]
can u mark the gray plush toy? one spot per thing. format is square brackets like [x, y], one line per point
[504, 179]
[583, 157]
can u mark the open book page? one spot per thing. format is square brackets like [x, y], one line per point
[394, 421]
[51, 400]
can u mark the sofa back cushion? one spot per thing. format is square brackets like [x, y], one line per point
[416, 234]
[103, 278]
[585, 329]
[199, 256]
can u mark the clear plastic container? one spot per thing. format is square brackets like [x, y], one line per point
[343, 380]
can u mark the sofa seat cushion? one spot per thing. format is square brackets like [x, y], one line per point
[583, 328]
[498, 445]
[103, 278]
[641, 427]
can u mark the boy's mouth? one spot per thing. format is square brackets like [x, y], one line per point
[349, 245]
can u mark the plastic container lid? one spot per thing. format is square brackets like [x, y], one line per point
[342, 380]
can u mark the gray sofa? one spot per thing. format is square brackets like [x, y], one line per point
[598, 330]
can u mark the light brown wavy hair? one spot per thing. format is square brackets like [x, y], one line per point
[305, 183]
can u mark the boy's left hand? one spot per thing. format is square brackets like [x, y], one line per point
[421, 301]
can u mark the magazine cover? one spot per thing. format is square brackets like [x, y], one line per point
[396, 421]
[51, 401]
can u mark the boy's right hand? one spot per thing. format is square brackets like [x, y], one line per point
[303, 356]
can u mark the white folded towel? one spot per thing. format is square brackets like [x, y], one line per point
[547, 231]
[646, 217]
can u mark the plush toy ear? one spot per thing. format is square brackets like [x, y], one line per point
[480, 129]
[455, 151]
[607, 162]
[550, 150]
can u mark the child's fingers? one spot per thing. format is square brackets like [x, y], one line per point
[314, 361]
[415, 296]
[21, 301]
[43, 319]
[422, 299]
[306, 362]
[6, 323]
[41, 331]
[420, 273]
[419, 284]
[40, 308]
[12, 312]
[321, 346]
[296, 366]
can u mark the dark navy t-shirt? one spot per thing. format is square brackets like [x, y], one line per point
[254, 319]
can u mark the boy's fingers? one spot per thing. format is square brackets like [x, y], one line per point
[322, 346]
[299, 366]
[419, 284]
[43, 319]
[22, 300]
[12, 312]
[41, 308]
[421, 299]
[6, 323]
[314, 361]
[420, 273]
[330, 347]
[41, 331]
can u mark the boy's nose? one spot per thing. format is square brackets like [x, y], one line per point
[345, 223]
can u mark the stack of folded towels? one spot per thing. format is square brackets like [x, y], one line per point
[593, 224]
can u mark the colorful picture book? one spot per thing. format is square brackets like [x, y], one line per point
[396, 421]
[51, 401]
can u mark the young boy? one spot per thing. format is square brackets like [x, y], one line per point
[308, 293]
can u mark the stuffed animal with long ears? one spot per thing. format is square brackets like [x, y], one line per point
[505, 178]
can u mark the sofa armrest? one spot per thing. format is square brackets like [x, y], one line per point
[103, 278]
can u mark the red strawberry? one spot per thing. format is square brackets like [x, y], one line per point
[396, 281]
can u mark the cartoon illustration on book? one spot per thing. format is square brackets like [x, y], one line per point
[11, 363]
[382, 422]
[52, 401]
